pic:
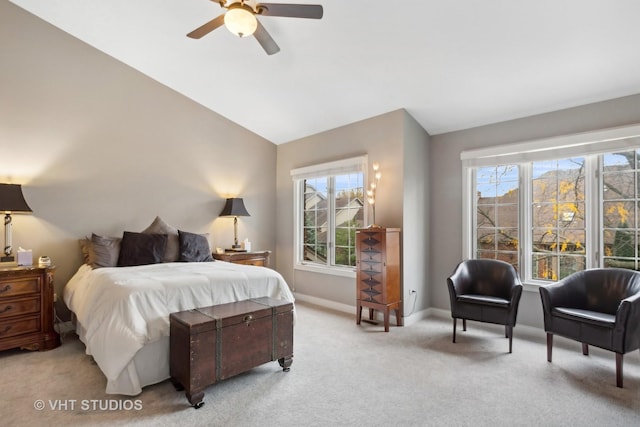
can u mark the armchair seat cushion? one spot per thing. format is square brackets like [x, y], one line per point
[585, 316]
[484, 300]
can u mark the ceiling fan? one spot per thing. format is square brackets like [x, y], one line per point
[240, 19]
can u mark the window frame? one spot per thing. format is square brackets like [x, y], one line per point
[588, 145]
[357, 164]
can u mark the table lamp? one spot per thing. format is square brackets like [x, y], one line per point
[235, 208]
[11, 201]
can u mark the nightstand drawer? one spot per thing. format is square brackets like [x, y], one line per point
[17, 307]
[27, 325]
[258, 258]
[258, 262]
[14, 287]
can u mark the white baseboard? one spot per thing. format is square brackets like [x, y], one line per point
[351, 309]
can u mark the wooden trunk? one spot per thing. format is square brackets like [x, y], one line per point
[211, 344]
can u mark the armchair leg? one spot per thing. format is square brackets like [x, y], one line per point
[454, 329]
[506, 331]
[619, 357]
[585, 349]
[464, 325]
[510, 333]
[549, 346]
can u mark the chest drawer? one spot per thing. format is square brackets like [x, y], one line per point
[10, 328]
[19, 286]
[18, 307]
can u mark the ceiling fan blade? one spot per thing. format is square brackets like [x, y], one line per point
[207, 28]
[265, 40]
[311, 11]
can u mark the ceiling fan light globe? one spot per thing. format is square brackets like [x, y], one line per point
[240, 22]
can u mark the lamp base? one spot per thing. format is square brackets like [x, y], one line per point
[235, 248]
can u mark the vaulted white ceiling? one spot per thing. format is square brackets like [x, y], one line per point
[452, 64]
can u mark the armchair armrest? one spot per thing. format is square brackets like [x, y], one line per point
[627, 327]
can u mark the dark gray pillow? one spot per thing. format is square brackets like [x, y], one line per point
[141, 249]
[103, 251]
[172, 251]
[194, 247]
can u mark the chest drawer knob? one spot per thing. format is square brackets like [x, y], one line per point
[7, 308]
[5, 289]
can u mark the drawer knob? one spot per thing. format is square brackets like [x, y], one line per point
[5, 289]
[247, 319]
[7, 308]
[5, 330]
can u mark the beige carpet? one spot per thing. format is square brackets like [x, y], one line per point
[346, 375]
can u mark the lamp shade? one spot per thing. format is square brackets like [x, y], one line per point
[234, 207]
[12, 200]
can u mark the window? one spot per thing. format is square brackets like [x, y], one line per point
[329, 200]
[497, 213]
[557, 206]
[558, 232]
[621, 209]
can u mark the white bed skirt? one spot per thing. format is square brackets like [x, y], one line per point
[149, 366]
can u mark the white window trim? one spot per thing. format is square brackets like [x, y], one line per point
[583, 144]
[353, 164]
[556, 147]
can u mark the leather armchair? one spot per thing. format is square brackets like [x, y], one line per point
[485, 290]
[599, 307]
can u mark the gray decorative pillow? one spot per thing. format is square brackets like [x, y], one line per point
[104, 251]
[141, 249]
[194, 247]
[172, 250]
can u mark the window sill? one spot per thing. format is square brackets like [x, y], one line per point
[534, 286]
[333, 271]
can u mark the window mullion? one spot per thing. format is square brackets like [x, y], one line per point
[331, 214]
[593, 200]
[526, 222]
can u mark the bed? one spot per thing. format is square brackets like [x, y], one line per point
[122, 312]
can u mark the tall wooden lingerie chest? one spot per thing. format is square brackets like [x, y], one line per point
[378, 273]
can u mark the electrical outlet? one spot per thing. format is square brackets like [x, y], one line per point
[412, 291]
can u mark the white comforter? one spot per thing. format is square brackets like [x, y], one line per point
[123, 308]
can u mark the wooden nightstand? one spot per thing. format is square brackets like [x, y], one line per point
[260, 258]
[26, 308]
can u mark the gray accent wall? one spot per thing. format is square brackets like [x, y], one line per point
[400, 146]
[100, 147]
[445, 175]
